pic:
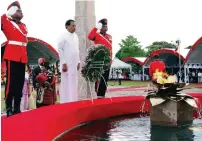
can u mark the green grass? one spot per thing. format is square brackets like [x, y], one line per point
[110, 83]
[3, 102]
[129, 83]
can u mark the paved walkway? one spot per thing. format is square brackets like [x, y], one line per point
[115, 91]
[141, 91]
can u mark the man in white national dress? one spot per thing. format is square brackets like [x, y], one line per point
[68, 47]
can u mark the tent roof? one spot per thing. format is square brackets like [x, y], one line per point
[169, 56]
[194, 55]
[183, 51]
[37, 48]
[138, 60]
[116, 63]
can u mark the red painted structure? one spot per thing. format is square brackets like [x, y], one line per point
[37, 48]
[32, 39]
[133, 59]
[195, 45]
[184, 58]
[149, 58]
[159, 51]
[44, 124]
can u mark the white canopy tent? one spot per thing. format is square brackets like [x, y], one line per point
[118, 64]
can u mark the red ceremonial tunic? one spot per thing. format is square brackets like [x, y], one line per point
[98, 38]
[16, 34]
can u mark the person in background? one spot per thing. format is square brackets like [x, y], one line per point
[36, 71]
[105, 39]
[194, 76]
[120, 76]
[200, 76]
[3, 72]
[190, 77]
[26, 91]
[46, 81]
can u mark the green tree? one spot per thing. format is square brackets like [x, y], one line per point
[130, 47]
[189, 47]
[158, 45]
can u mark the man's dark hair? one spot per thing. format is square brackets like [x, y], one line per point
[47, 65]
[68, 22]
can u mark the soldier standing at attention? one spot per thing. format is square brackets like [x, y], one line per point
[104, 39]
[15, 55]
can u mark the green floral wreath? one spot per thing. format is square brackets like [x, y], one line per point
[97, 61]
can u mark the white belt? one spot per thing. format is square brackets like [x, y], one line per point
[17, 43]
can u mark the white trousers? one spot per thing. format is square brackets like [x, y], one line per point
[68, 87]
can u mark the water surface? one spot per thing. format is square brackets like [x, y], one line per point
[133, 128]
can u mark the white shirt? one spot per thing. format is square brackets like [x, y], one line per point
[68, 47]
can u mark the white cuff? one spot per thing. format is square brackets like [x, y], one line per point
[99, 26]
[63, 62]
[12, 10]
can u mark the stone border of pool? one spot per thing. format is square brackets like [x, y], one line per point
[45, 124]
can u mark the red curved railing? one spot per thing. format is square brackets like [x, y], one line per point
[44, 124]
[133, 59]
[193, 47]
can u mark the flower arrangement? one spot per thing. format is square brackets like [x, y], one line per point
[97, 61]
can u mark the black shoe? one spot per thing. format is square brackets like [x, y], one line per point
[100, 97]
[9, 112]
[16, 111]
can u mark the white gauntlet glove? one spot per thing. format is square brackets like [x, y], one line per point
[99, 26]
[11, 11]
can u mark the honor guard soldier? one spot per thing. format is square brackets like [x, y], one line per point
[15, 55]
[101, 37]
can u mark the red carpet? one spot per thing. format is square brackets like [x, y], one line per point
[46, 123]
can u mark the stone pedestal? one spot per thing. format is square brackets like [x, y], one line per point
[171, 113]
[85, 21]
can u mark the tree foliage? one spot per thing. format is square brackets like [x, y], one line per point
[189, 47]
[159, 45]
[130, 47]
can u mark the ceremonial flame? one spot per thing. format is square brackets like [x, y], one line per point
[163, 77]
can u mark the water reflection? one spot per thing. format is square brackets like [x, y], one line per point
[132, 128]
[182, 133]
[98, 131]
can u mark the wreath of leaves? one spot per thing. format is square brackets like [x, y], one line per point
[97, 61]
